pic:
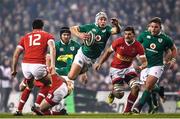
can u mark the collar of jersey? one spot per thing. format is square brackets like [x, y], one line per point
[64, 43]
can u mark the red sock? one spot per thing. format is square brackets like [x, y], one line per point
[130, 102]
[24, 97]
[42, 94]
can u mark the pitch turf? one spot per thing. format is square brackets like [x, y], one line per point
[93, 116]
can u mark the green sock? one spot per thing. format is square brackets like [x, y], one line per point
[149, 102]
[154, 99]
[156, 88]
[146, 97]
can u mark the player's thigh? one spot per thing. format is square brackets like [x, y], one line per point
[57, 94]
[39, 71]
[76, 66]
[156, 71]
[26, 69]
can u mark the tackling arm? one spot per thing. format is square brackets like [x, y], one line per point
[104, 57]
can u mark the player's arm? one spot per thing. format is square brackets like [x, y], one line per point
[171, 63]
[143, 61]
[104, 57]
[52, 49]
[116, 26]
[15, 59]
[76, 31]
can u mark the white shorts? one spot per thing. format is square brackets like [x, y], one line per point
[82, 60]
[121, 73]
[124, 75]
[154, 71]
[38, 71]
[57, 94]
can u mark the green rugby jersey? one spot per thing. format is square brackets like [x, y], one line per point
[155, 46]
[64, 56]
[101, 36]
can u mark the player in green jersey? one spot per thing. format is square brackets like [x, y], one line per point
[155, 43]
[95, 36]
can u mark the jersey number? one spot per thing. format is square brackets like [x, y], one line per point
[34, 39]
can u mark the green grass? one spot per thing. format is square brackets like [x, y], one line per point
[92, 115]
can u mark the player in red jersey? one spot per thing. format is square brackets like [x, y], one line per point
[60, 88]
[34, 45]
[126, 49]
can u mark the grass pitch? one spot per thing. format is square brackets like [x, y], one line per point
[93, 116]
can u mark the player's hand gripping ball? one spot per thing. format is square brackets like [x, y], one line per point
[90, 41]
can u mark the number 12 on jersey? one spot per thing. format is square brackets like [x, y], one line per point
[34, 39]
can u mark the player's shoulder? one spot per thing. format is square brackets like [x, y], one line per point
[75, 43]
[119, 40]
[164, 35]
[145, 32]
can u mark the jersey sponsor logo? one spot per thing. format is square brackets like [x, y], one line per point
[160, 40]
[151, 50]
[64, 58]
[124, 58]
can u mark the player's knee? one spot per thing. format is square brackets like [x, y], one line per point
[30, 83]
[117, 91]
[135, 89]
[22, 85]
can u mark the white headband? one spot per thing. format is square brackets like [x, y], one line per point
[99, 15]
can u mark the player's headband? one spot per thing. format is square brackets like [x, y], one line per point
[65, 30]
[99, 15]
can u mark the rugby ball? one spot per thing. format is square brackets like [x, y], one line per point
[90, 41]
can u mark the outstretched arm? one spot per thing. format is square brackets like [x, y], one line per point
[75, 31]
[104, 57]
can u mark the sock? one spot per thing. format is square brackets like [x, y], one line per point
[130, 102]
[154, 99]
[23, 99]
[144, 98]
[150, 103]
[41, 95]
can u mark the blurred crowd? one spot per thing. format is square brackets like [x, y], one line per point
[17, 15]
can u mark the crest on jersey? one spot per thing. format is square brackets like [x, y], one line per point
[72, 48]
[98, 38]
[160, 40]
[61, 49]
[149, 37]
[152, 46]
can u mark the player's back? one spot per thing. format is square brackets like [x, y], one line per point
[35, 46]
